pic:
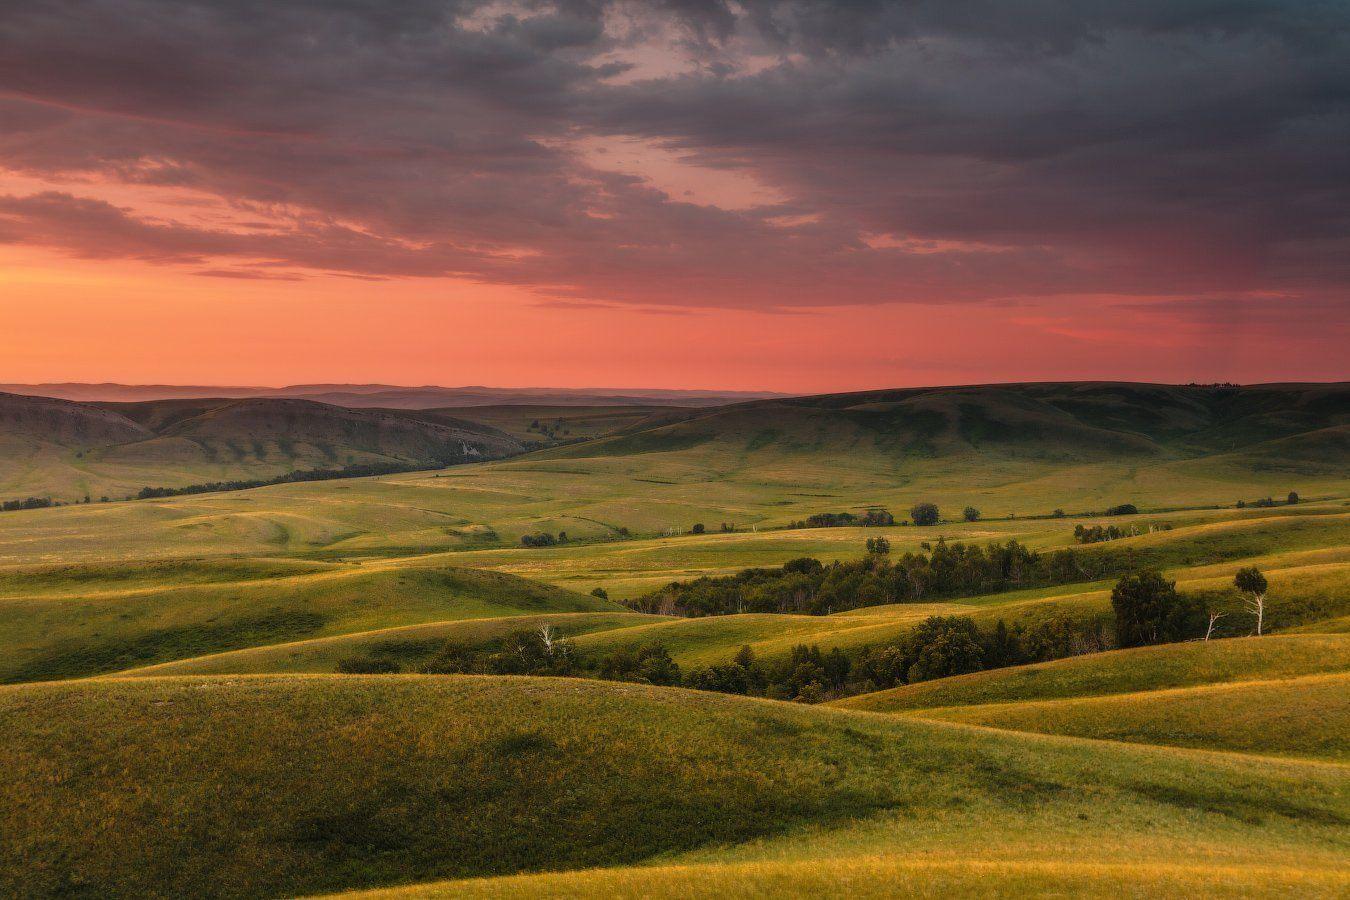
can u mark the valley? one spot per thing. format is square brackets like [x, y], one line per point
[354, 665]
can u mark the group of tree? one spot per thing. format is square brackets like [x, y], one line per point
[543, 539]
[1146, 608]
[26, 503]
[809, 586]
[535, 651]
[1267, 502]
[1123, 509]
[210, 487]
[1095, 534]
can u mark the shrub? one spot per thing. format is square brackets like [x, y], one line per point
[971, 514]
[924, 513]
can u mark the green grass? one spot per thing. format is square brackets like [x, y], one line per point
[1122, 672]
[117, 623]
[884, 877]
[1306, 717]
[252, 786]
[408, 645]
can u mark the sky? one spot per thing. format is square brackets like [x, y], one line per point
[798, 195]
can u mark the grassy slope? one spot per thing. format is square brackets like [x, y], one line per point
[885, 877]
[69, 620]
[404, 645]
[1122, 672]
[69, 450]
[1306, 717]
[267, 786]
[61, 626]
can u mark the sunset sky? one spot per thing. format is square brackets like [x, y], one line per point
[797, 196]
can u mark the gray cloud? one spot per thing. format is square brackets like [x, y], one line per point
[928, 151]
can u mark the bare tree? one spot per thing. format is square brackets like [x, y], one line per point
[548, 635]
[1213, 618]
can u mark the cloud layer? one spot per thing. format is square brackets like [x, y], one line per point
[923, 151]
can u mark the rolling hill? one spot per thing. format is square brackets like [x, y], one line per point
[65, 622]
[267, 786]
[68, 451]
[1071, 422]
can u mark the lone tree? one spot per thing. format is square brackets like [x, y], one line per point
[971, 514]
[924, 513]
[1252, 583]
[1292, 499]
[698, 528]
[878, 546]
[1143, 603]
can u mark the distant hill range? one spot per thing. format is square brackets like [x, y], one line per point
[1272, 425]
[390, 396]
[67, 449]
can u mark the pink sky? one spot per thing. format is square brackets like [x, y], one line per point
[645, 195]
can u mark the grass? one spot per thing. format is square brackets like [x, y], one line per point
[1122, 672]
[253, 786]
[883, 877]
[408, 645]
[1305, 717]
[125, 622]
[265, 774]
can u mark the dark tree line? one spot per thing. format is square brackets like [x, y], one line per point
[1146, 608]
[26, 503]
[808, 586]
[210, 487]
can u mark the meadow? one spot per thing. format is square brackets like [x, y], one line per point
[173, 721]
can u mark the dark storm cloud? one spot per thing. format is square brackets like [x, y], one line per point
[935, 151]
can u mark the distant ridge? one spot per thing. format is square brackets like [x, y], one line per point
[390, 396]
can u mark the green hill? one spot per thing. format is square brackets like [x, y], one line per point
[67, 451]
[54, 626]
[272, 786]
[1122, 672]
[1304, 717]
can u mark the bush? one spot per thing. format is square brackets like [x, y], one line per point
[601, 593]
[971, 514]
[697, 529]
[924, 513]
[1293, 498]
[1149, 610]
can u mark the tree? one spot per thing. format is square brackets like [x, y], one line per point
[601, 593]
[971, 514]
[697, 529]
[1214, 618]
[1142, 602]
[1252, 583]
[1292, 499]
[1057, 514]
[1124, 509]
[924, 513]
[942, 646]
[878, 546]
